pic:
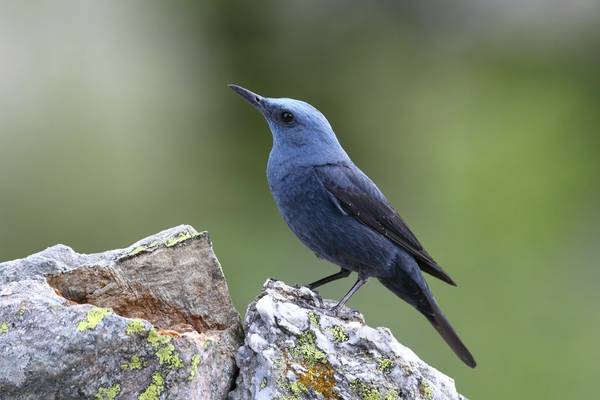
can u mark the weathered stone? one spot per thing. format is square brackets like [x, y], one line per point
[151, 321]
[295, 349]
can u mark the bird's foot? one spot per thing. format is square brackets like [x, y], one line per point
[331, 311]
[311, 288]
[299, 286]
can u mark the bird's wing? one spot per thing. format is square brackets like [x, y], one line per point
[360, 198]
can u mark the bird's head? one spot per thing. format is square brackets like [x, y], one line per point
[297, 127]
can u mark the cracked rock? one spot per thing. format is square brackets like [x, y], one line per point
[152, 321]
[295, 349]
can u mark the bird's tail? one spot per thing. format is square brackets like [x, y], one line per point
[441, 324]
[416, 293]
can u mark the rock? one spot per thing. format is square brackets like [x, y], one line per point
[151, 321]
[295, 349]
[155, 321]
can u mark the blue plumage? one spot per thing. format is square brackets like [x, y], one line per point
[341, 215]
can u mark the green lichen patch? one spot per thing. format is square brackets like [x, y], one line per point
[108, 393]
[3, 328]
[338, 333]
[171, 241]
[307, 349]
[194, 366]
[181, 237]
[165, 350]
[168, 355]
[263, 383]
[314, 319]
[143, 248]
[366, 391]
[93, 318]
[135, 326]
[318, 373]
[385, 365]
[137, 250]
[425, 390]
[298, 388]
[134, 363]
[156, 340]
[155, 388]
[281, 381]
[392, 395]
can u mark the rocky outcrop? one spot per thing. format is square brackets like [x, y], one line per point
[155, 321]
[151, 321]
[295, 349]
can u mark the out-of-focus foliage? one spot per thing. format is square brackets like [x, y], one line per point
[479, 121]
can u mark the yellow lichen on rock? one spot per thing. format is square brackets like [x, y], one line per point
[338, 333]
[165, 350]
[155, 388]
[93, 318]
[108, 393]
[194, 366]
[134, 363]
[181, 237]
[318, 373]
[135, 326]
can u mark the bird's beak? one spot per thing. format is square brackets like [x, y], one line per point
[251, 97]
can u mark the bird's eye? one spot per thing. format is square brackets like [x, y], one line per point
[287, 117]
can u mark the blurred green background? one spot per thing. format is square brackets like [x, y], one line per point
[479, 120]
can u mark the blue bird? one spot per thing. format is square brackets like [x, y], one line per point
[341, 215]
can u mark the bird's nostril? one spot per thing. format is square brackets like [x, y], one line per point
[257, 99]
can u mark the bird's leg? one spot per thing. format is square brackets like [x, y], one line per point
[357, 285]
[339, 275]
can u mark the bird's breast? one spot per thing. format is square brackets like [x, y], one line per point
[308, 210]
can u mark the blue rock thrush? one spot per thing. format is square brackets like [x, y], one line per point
[341, 215]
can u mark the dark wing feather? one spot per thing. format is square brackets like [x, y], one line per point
[360, 198]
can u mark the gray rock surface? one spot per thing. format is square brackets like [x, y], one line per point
[294, 349]
[152, 321]
[155, 321]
